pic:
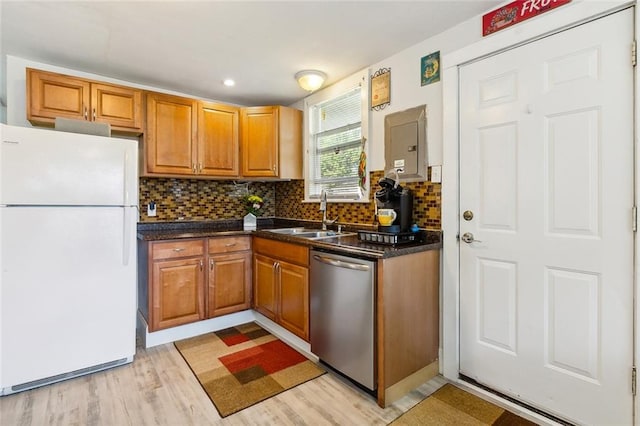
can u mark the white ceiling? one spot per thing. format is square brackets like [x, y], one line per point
[191, 46]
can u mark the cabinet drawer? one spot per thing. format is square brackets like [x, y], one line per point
[177, 248]
[229, 244]
[293, 253]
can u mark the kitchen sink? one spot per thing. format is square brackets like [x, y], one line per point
[310, 233]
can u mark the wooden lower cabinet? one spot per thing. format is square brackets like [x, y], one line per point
[177, 292]
[176, 275]
[293, 299]
[229, 286]
[264, 292]
[408, 327]
[281, 284]
[190, 280]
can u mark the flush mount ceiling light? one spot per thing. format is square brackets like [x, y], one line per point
[310, 80]
[228, 82]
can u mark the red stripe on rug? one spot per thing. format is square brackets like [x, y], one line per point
[234, 339]
[271, 357]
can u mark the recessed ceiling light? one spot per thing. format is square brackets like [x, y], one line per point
[228, 82]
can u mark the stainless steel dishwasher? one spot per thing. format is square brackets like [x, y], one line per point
[342, 315]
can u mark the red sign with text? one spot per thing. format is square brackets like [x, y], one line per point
[515, 12]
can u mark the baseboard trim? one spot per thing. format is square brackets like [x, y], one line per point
[409, 383]
[172, 334]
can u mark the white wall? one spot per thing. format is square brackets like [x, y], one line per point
[406, 91]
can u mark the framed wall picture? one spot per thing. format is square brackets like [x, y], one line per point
[430, 68]
[381, 89]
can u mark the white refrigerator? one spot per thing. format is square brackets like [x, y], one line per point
[68, 214]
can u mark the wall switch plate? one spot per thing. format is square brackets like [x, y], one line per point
[436, 174]
[151, 209]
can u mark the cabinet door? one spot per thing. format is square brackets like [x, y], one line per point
[229, 283]
[51, 95]
[218, 142]
[170, 135]
[294, 299]
[177, 292]
[264, 286]
[119, 106]
[260, 141]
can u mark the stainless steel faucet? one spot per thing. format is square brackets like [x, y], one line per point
[323, 208]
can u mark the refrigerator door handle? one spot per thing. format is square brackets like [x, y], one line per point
[126, 178]
[126, 240]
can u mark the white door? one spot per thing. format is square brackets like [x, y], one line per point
[546, 169]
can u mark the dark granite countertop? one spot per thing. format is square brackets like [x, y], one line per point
[154, 231]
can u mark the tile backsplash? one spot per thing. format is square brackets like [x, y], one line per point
[189, 199]
[426, 204]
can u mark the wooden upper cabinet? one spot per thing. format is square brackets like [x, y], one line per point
[51, 95]
[120, 106]
[259, 141]
[218, 140]
[170, 138]
[271, 142]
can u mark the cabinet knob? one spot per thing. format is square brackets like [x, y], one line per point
[211, 264]
[201, 265]
[178, 249]
[195, 168]
[86, 113]
[94, 114]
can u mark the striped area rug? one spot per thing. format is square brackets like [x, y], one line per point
[243, 365]
[450, 405]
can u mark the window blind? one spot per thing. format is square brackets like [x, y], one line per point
[336, 134]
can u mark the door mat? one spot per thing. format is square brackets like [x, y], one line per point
[243, 365]
[450, 405]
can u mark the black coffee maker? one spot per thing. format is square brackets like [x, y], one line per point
[393, 196]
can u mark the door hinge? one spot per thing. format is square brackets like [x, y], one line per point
[634, 53]
[634, 218]
[633, 381]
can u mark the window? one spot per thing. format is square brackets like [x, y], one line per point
[335, 143]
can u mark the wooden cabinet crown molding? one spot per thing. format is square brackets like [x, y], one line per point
[51, 95]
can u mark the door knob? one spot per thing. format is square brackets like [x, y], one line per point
[467, 215]
[467, 237]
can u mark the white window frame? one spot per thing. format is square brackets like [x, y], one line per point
[338, 89]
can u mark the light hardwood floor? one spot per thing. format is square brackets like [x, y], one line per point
[159, 389]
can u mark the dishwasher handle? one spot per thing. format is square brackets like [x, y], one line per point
[341, 263]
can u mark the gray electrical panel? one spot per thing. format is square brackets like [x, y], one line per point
[405, 143]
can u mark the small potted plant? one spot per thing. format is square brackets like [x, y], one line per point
[253, 205]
